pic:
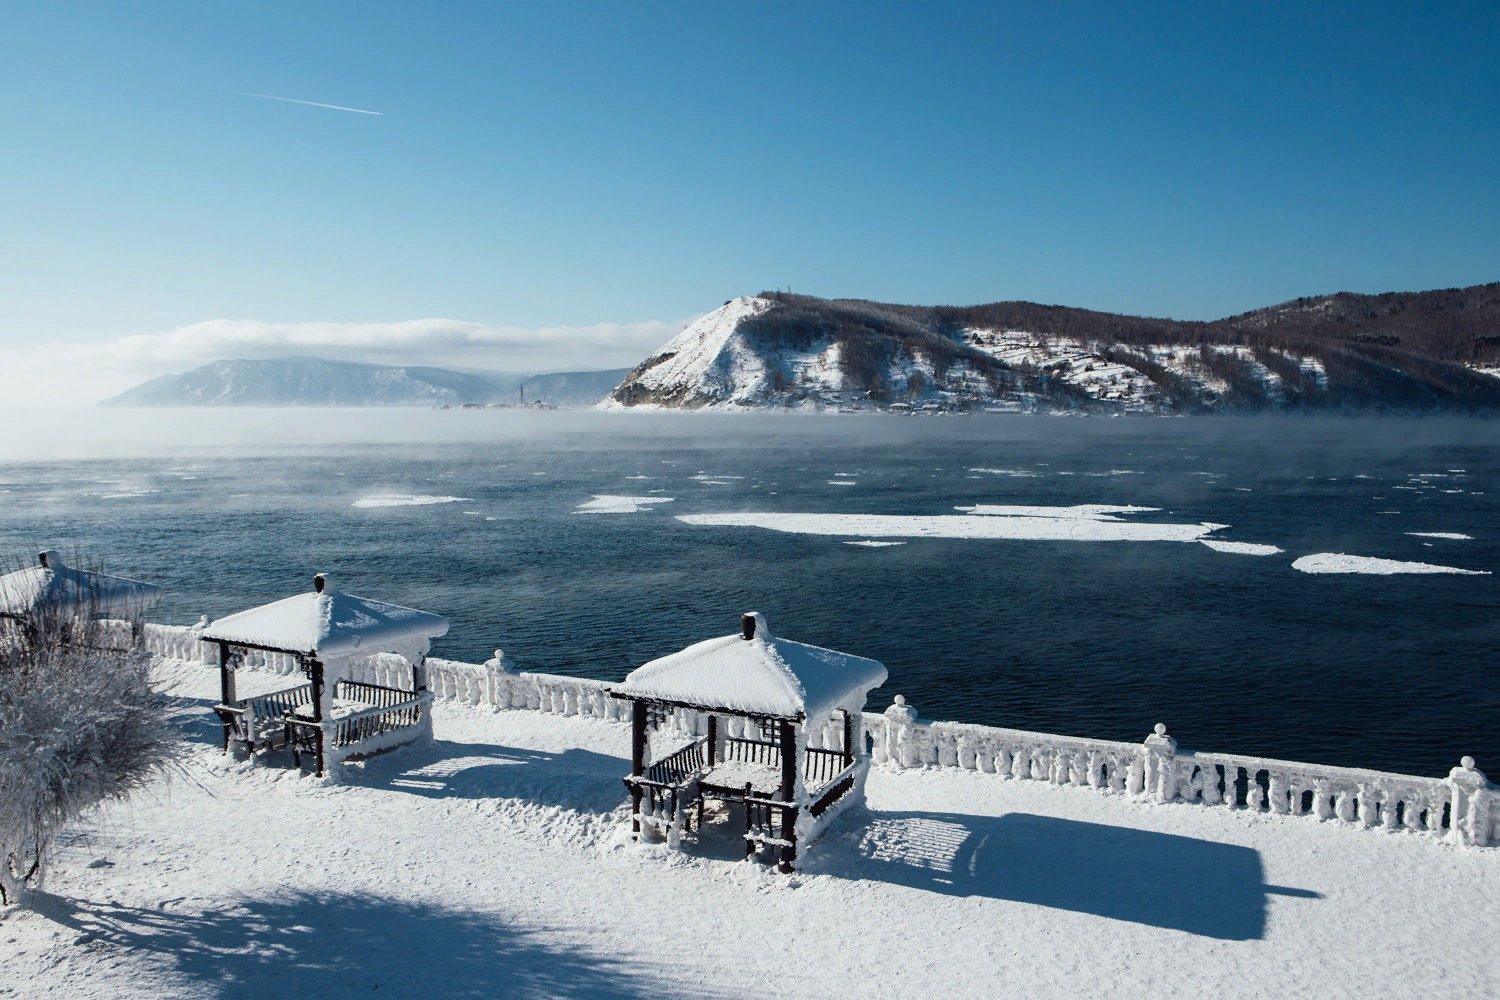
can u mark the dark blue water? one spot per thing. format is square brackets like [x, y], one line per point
[1102, 639]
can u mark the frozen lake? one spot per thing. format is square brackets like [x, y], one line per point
[1089, 577]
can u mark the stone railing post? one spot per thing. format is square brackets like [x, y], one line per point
[899, 719]
[1161, 769]
[1469, 822]
[206, 653]
[495, 686]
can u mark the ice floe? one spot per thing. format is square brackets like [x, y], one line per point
[405, 500]
[608, 504]
[870, 543]
[1453, 536]
[1084, 522]
[1338, 562]
[842, 482]
[1241, 548]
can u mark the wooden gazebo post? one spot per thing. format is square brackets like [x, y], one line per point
[788, 795]
[637, 761]
[227, 694]
[315, 672]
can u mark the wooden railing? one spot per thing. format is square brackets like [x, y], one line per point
[374, 695]
[821, 766]
[358, 727]
[678, 766]
[752, 751]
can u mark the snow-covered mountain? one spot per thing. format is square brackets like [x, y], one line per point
[778, 350]
[308, 382]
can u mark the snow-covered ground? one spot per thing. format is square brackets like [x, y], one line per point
[491, 863]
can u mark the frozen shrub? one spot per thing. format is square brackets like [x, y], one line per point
[79, 726]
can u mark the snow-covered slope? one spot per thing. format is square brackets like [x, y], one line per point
[496, 861]
[772, 351]
[708, 364]
[308, 382]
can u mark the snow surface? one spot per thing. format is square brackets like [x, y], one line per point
[605, 503]
[491, 863]
[330, 624]
[405, 500]
[1338, 562]
[1085, 522]
[1449, 535]
[1241, 548]
[766, 675]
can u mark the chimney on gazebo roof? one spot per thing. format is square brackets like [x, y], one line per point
[753, 623]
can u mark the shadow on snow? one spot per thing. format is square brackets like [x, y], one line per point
[1162, 880]
[581, 780]
[330, 944]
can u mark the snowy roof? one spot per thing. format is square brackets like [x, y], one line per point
[53, 584]
[326, 622]
[761, 675]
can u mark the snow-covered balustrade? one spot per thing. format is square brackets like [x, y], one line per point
[179, 642]
[1460, 809]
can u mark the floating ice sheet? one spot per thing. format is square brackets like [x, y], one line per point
[1452, 536]
[870, 543]
[1083, 523]
[609, 504]
[404, 500]
[1338, 562]
[1241, 548]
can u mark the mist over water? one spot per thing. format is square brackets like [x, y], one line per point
[227, 509]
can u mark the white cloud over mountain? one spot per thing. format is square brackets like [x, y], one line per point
[81, 374]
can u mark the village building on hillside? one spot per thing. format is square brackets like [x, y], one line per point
[774, 725]
[340, 643]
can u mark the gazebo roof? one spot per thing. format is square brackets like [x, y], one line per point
[326, 622]
[52, 584]
[755, 673]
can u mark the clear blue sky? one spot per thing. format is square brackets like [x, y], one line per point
[541, 164]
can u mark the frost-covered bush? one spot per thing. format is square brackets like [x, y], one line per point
[78, 726]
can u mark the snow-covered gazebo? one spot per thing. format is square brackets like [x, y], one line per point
[735, 717]
[52, 586]
[333, 637]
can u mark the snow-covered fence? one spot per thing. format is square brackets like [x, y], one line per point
[496, 684]
[1461, 808]
[1464, 808]
[178, 642]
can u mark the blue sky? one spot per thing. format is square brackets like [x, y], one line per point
[541, 169]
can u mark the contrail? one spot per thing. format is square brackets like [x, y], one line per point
[310, 104]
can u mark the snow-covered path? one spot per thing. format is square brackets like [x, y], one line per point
[491, 864]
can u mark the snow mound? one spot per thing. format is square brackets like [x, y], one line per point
[405, 500]
[1338, 562]
[1241, 548]
[605, 503]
